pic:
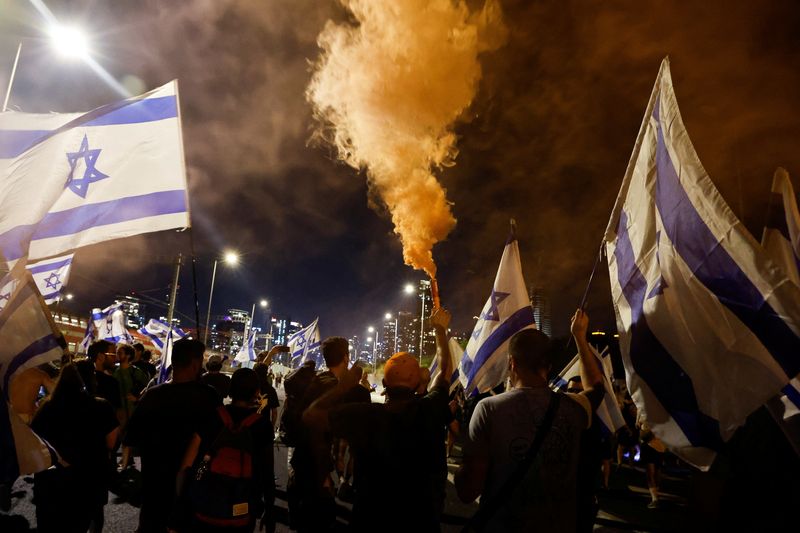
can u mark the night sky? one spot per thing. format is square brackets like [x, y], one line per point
[546, 142]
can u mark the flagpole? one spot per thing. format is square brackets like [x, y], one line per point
[174, 292]
[194, 284]
[11, 79]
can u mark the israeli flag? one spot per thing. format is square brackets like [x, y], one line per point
[484, 364]
[608, 412]
[30, 338]
[781, 240]
[166, 357]
[304, 345]
[70, 180]
[708, 323]
[88, 337]
[51, 275]
[109, 324]
[247, 352]
[454, 352]
[157, 332]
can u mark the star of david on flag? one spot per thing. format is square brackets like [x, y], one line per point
[51, 276]
[80, 186]
[304, 345]
[508, 310]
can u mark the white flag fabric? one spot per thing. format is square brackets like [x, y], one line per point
[455, 352]
[166, 357]
[304, 345]
[109, 324]
[708, 325]
[157, 332]
[248, 350]
[29, 339]
[51, 275]
[781, 240]
[608, 412]
[508, 310]
[69, 180]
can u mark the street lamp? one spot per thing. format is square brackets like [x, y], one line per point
[69, 41]
[409, 288]
[229, 258]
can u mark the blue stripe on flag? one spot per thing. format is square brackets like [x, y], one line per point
[520, 319]
[50, 295]
[49, 266]
[15, 142]
[671, 385]
[792, 393]
[715, 268]
[38, 347]
[81, 218]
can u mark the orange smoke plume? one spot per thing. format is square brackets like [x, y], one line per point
[387, 93]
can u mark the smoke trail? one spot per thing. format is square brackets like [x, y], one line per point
[387, 93]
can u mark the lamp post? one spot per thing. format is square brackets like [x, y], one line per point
[374, 346]
[230, 258]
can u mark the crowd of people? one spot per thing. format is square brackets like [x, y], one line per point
[206, 441]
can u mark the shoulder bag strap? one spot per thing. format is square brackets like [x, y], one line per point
[478, 521]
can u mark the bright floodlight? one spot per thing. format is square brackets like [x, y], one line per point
[69, 296]
[69, 41]
[231, 258]
[264, 303]
[388, 316]
[409, 288]
[371, 329]
[369, 339]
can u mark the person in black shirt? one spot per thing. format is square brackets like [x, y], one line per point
[143, 362]
[398, 446]
[215, 378]
[269, 397]
[82, 429]
[161, 427]
[104, 357]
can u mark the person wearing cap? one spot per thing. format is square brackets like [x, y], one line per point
[215, 378]
[398, 446]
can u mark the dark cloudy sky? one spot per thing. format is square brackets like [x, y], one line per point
[546, 142]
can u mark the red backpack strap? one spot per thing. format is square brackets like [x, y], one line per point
[225, 416]
[249, 421]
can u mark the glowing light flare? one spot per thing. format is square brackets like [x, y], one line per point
[387, 316]
[231, 258]
[264, 303]
[69, 41]
[409, 288]
[371, 329]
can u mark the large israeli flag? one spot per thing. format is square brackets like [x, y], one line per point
[157, 331]
[484, 364]
[304, 345]
[708, 324]
[608, 412]
[30, 338]
[69, 180]
[781, 240]
[109, 324]
[51, 276]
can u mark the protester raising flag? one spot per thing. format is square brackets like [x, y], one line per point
[69, 180]
[455, 351]
[708, 327]
[30, 338]
[51, 275]
[109, 324]
[508, 310]
[248, 350]
[781, 240]
[608, 412]
[157, 332]
[304, 344]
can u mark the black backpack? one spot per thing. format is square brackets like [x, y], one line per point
[295, 385]
[224, 492]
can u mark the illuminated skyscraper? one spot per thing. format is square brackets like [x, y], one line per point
[541, 309]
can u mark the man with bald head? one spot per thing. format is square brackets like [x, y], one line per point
[398, 446]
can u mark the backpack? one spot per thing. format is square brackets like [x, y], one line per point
[224, 492]
[295, 385]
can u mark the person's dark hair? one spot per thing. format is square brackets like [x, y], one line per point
[262, 371]
[244, 385]
[128, 350]
[214, 365]
[531, 350]
[335, 350]
[97, 348]
[147, 355]
[185, 351]
[69, 388]
[86, 370]
[139, 347]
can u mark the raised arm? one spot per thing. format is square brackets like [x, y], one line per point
[591, 377]
[440, 320]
